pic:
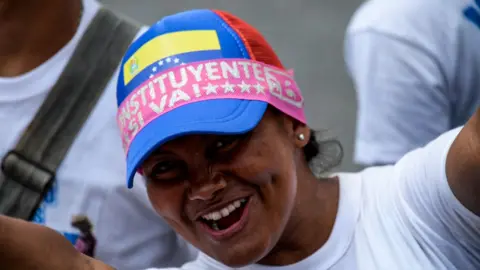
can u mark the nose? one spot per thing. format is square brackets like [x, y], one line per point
[206, 190]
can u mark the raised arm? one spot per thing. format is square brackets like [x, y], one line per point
[26, 246]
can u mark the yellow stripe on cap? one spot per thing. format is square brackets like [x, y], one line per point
[169, 45]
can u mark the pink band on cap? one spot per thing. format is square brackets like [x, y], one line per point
[207, 80]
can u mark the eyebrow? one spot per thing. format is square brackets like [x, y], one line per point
[160, 151]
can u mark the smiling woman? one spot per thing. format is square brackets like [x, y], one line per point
[220, 136]
[230, 195]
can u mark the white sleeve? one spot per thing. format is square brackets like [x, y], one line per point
[401, 92]
[139, 238]
[428, 207]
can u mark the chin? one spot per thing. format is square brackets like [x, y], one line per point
[241, 238]
[243, 254]
[236, 260]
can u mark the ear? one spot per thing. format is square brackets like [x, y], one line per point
[302, 134]
[297, 131]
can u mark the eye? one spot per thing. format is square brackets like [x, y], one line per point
[163, 167]
[167, 170]
[225, 147]
[226, 142]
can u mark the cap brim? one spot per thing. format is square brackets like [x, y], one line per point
[221, 116]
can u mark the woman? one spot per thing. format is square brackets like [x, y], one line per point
[215, 123]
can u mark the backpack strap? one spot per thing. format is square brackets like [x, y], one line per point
[29, 169]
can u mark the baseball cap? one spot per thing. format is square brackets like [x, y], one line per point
[198, 72]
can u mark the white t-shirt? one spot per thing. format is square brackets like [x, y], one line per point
[91, 179]
[394, 217]
[415, 65]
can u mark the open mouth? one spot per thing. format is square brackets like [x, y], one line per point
[225, 218]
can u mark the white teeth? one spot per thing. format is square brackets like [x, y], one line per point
[216, 216]
[224, 211]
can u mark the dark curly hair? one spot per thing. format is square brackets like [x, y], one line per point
[322, 152]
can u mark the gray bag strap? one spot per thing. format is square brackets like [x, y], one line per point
[29, 170]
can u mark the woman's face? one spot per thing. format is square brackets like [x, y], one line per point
[230, 196]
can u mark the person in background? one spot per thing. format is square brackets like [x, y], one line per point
[415, 65]
[37, 39]
[223, 143]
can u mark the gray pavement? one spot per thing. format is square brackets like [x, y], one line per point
[306, 34]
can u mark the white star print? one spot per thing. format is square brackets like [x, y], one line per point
[260, 88]
[176, 60]
[244, 87]
[169, 60]
[151, 76]
[154, 69]
[182, 64]
[160, 63]
[228, 87]
[211, 89]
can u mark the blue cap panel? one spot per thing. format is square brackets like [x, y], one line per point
[231, 45]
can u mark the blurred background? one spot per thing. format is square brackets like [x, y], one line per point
[306, 34]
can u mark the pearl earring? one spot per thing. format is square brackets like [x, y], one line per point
[301, 137]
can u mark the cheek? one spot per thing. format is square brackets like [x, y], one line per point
[268, 162]
[279, 199]
[270, 166]
[258, 164]
[167, 202]
[280, 193]
[280, 190]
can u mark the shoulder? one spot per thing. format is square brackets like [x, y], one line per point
[416, 163]
[383, 32]
[418, 170]
[408, 19]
